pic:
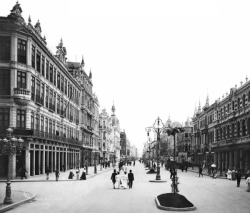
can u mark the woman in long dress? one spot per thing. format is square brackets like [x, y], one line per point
[113, 178]
[124, 181]
[83, 176]
[248, 184]
[229, 174]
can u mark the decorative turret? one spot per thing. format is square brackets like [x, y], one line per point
[38, 27]
[82, 63]
[169, 121]
[113, 109]
[16, 13]
[187, 123]
[199, 108]
[90, 75]
[61, 52]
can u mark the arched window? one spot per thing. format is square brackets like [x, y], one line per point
[228, 111]
[228, 134]
[243, 128]
[233, 105]
[221, 112]
[224, 132]
[238, 104]
[37, 122]
[243, 100]
[238, 129]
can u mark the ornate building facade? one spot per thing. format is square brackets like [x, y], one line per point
[46, 100]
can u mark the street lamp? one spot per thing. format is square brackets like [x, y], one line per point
[10, 146]
[173, 132]
[158, 127]
[95, 158]
[209, 160]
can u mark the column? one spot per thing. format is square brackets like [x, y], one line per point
[34, 162]
[52, 160]
[59, 160]
[235, 160]
[43, 169]
[39, 161]
[28, 118]
[230, 166]
[55, 158]
[13, 80]
[226, 160]
[29, 52]
[12, 117]
[66, 159]
[27, 160]
[12, 166]
[62, 163]
[240, 158]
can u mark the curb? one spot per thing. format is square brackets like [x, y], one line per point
[172, 208]
[11, 206]
[18, 181]
[158, 181]
[218, 177]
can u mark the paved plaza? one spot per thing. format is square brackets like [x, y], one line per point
[96, 194]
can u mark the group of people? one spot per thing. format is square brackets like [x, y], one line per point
[124, 181]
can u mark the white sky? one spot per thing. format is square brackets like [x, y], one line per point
[151, 57]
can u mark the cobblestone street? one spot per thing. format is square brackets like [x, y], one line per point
[97, 194]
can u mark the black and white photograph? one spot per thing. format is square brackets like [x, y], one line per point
[124, 106]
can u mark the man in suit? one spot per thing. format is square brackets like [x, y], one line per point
[130, 178]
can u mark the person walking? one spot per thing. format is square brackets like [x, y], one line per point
[200, 171]
[214, 174]
[134, 162]
[22, 172]
[248, 183]
[47, 171]
[229, 174]
[171, 172]
[118, 179]
[71, 175]
[57, 173]
[77, 173]
[238, 177]
[154, 165]
[83, 176]
[130, 179]
[233, 175]
[113, 178]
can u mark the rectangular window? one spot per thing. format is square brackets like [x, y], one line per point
[50, 99]
[47, 69]
[42, 94]
[62, 112]
[58, 104]
[37, 91]
[46, 124]
[38, 61]
[55, 76]
[47, 97]
[62, 83]
[32, 88]
[5, 48]
[50, 126]
[65, 91]
[21, 79]
[4, 117]
[33, 55]
[4, 82]
[42, 124]
[43, 65]
[22, 51]
[32, 121]
[51, 74]
[37, 122]
[58, 80]
[54, 102]
[21, 118]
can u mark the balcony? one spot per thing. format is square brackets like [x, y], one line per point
[39, 100]
[40, 134]
[22, 96]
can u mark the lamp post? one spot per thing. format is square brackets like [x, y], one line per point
[173, 132]
[10, 146]
[209, 160]
[158, 127]
[95, 158]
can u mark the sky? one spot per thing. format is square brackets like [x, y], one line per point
[150, 57]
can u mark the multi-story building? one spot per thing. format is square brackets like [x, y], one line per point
[183, 143]
[115, 134]
[96, 137]
[40, 96]
[232, 129]
[123, 143]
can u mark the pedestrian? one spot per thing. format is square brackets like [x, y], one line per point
[134, 162]
[214, 174]
[238, 177]
[130, 179]
[22, 172]
[71, 175]
[229, 174]
[248, 183]
[106, 163]
[186, 167]
[83, 176]
[113, 178]
[57, 173]
[47, 171]
[102, 164]
[125, 170]
[171, 172]
[118, 179]
[77, 173]
[182, 167]
[200, 171]
[233, 175]
[154, 165]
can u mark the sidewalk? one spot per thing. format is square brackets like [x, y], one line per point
[63, 175]
[18, 198]
[204, 172]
